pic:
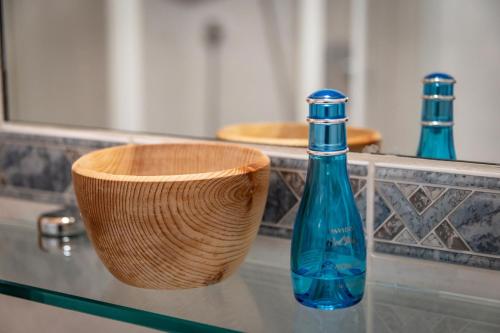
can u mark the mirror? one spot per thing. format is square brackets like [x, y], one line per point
[195, 67]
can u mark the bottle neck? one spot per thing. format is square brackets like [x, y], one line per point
[334, 167]
[437, 142]
[437, 110]
[437, 102]
[327, 130]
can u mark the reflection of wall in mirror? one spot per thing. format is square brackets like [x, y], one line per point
[150, 65]
[409, 40]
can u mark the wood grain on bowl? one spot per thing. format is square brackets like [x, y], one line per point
[172, 215]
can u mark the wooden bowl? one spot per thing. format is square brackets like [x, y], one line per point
[172, 215]
[292, 134]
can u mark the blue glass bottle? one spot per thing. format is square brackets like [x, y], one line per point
[436, 136]
[328, 259]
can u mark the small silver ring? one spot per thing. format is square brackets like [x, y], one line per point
[327, 100]
[439, 80]
[439, 97]
[327, 121]
[327, 153]
[437, 123]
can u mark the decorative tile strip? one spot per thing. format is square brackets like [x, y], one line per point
[438, 216]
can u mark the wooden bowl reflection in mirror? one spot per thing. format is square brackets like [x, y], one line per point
[172, 215]
[292, 134]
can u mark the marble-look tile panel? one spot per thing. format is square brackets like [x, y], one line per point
[405, 237]
[289, 163]
[280, 198]
[449, 237]
[390, 229]
[381, 211]
[35, 167]
[37, 195]
[420, 200]
[301, 165]
[433, 191]
[357, 170]
[478, 221]
[361, 204]
[275, 231]
[295, 181]
[289, 219]
[431, 241]
[46, 141]
[420, 224]
[437, 178]
[454, 221]
[407, 189]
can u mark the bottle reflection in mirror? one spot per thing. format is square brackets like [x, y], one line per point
[328, 258]
[436, 136]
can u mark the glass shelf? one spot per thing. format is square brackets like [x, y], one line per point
[257, 298]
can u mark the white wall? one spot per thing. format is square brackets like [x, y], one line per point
[55, 54]
[193, 89]
[73, 62]
[58, 57]
[407, 40]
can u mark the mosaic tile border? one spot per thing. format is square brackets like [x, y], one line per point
[438, 216]
[287, 182]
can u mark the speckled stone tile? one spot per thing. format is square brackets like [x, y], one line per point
[405, 237]
[390, 229]
[288, 163]
[289, 219]
[294, 181]
[478, 221]
[279, 200]
[381, 211]
[301, 165]
[420, 225]
[420, 200]
[361, 204]
[3, 180]
[407, 189]
[436, 178]
[438, 255]
[275, 231]
[357, 184]
[449, 237]
[53, 141]
[431, 241]
[433, 191]
[37, 168]
[354, 184]
[357, 170]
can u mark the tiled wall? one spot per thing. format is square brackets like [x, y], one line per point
[440, 216]
[39, 167]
